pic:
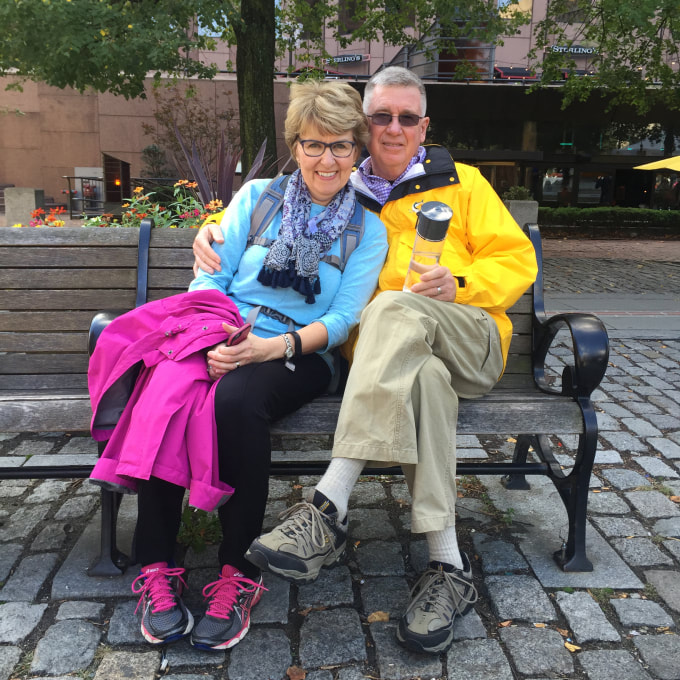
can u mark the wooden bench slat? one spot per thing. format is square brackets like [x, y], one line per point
[540, 415]
[28, 321]
[17, 364]
[94, 300]
[55, 258]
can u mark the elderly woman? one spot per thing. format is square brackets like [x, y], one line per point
[301, 289]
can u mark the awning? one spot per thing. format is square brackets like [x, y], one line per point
[672, 163]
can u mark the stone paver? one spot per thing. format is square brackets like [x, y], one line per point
[637, 612]
[56, 622]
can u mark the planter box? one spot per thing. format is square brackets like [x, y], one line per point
[524, 212]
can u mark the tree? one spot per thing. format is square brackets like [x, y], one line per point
[633, 45]
[112, 45]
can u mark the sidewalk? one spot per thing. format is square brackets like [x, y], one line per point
[621, 620]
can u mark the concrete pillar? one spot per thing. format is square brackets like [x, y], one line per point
[19, 202]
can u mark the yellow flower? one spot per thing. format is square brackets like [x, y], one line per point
[18, 224]
[58, 223]
[138, 190]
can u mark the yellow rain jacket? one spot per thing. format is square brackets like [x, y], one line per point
[490, 256]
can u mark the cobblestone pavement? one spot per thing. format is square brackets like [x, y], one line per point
[619, 622]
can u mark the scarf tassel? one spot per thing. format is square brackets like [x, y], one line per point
[288, 278]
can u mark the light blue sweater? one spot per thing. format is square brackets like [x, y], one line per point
[343, 295]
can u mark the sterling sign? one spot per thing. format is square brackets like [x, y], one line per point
[348, 59]
[573, 49]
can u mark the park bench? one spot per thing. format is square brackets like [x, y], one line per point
[53, 281]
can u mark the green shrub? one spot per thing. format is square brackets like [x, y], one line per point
[517, 193]
[608, 216]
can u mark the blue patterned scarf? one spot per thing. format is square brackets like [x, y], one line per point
[293, 258]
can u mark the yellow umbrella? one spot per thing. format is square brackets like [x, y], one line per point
[672, 163]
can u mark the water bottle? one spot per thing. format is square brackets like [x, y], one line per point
[431, 227]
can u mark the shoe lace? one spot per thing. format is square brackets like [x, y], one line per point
[224, 594]
[303, 515]
[157, 587]
[437, 589]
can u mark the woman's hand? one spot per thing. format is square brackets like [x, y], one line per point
[252, 350]
[205, 257]
[436, 282]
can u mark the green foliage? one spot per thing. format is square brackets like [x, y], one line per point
[155, 163]
[422, 24]
[517, 193]
[105, 46]
[184, 211]
[618, 217]
[634, 43]
[177, 108]
[199, 529]
[601, 595]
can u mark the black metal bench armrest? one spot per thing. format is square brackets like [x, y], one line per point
[99, 322]
[590, 344]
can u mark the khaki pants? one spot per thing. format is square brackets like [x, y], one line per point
[415, 358]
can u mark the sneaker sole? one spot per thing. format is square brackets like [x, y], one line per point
[260, 557]
[151, 639]
[420, 645]
[232, 642]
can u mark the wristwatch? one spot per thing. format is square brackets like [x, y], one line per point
[289, 353]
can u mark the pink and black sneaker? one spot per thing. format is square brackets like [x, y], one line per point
[227, 618]
[164, 616]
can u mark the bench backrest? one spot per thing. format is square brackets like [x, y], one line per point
[53, 281]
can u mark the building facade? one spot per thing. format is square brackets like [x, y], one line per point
[581, 155]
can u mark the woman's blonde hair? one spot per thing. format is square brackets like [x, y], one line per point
[333, 107]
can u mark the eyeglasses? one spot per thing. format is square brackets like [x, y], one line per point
[405, 119]
[314, 148]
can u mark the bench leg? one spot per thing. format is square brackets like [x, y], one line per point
[574, 492]
[519, 481]
[111, 561]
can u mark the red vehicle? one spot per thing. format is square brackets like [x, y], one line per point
[512, 73]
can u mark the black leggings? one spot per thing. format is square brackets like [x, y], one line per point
[247, 400]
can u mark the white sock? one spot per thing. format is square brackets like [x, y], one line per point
[443, 546]
[339, 480]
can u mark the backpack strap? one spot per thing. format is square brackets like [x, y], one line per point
[268, 204]
[349, 239]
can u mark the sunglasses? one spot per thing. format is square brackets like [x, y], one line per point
[405, 119]
[314, 148]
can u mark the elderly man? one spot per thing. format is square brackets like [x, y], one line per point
[418, 353]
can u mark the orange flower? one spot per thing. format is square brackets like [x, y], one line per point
[138, 190]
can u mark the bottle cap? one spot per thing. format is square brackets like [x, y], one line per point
[433, 220]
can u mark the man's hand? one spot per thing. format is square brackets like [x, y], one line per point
[205, 257]
[436, 282]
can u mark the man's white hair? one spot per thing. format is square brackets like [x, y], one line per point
[394, 76]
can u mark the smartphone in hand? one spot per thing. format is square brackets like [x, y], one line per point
[239, 335]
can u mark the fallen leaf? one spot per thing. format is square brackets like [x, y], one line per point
[563, 632]
[511, 440]
[304, 612]
[504, 624]
[571, 648]
[675, 499]
[296, 673]
[539, 625]
[378, 616]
